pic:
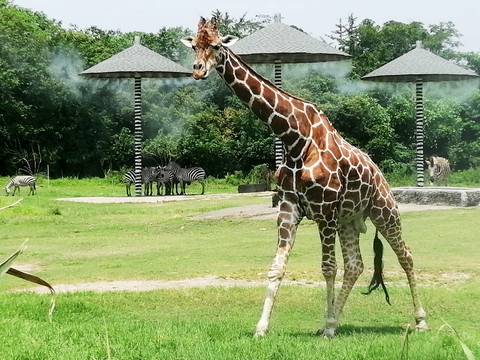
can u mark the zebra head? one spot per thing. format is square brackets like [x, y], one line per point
[7, 187]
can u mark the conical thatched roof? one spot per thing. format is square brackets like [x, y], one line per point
[419, 63]
[137, 60]
[279, 41]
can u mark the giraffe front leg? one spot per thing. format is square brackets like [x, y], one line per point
[287, 226]
[275, 277]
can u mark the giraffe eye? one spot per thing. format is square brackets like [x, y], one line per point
[215, 47]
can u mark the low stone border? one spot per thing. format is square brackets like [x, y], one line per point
[450, 196]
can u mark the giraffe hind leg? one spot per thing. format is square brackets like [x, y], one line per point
[389, 226]
[353, 267]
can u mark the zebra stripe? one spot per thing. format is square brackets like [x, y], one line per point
[138, 136]
[129, 180]
[147, 177]
[187, 175]
[164, 179]
[419, 131]
[279, 150]
[18, 181]
[438, 169]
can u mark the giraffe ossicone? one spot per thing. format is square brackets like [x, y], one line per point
[322, 178]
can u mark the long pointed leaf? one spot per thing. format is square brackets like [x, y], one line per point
[5, 266]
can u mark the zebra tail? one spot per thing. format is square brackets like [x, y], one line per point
[377, 278]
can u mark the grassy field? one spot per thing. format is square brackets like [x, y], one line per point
[77, 242]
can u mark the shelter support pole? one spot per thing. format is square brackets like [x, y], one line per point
[419, 131]
[277, 80]
[138, 136]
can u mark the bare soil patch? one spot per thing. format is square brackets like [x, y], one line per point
[260, 211]
[397, 278]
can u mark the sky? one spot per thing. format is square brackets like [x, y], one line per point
[317, 17]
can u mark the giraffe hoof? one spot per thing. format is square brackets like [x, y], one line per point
[259, 334]
[422, 326]
[327, 333]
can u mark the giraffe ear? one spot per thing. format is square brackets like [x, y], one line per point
[187, 41]
[228, 40]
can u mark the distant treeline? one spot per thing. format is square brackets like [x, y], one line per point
[49, 115]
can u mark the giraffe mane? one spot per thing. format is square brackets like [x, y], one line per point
[269, 82]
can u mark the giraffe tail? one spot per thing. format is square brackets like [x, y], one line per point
[377, 278]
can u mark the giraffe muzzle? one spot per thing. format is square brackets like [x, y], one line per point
[199, 71]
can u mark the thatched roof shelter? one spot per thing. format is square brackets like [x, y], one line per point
[134, 61]
[419, 63]
[282, 42]
[419, 66]
[137, 62]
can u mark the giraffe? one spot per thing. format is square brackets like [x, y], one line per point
[322, 178]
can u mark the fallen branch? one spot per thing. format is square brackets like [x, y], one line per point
[12, 205]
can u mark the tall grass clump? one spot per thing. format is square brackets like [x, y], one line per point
[467, 178]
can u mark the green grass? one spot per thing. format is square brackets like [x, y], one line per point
[77, 242]
[218, 323]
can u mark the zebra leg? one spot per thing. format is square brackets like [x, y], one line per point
[203, 186]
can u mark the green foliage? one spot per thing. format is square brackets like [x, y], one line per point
[241, 27]
[83, 127]
[365, 124]
[372, 46]
[469, 178]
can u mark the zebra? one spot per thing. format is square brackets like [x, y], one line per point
[18, 181]
[164, 179]
[149, 175]
[438, 169]
[129, 180]
[187, 175]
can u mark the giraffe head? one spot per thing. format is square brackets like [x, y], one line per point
[208, 46]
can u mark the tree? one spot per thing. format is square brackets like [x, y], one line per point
[241, 27]
[372, 46]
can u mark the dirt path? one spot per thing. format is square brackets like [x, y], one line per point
[427, 279]
[260, 211]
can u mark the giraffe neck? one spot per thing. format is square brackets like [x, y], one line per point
[278, 109]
